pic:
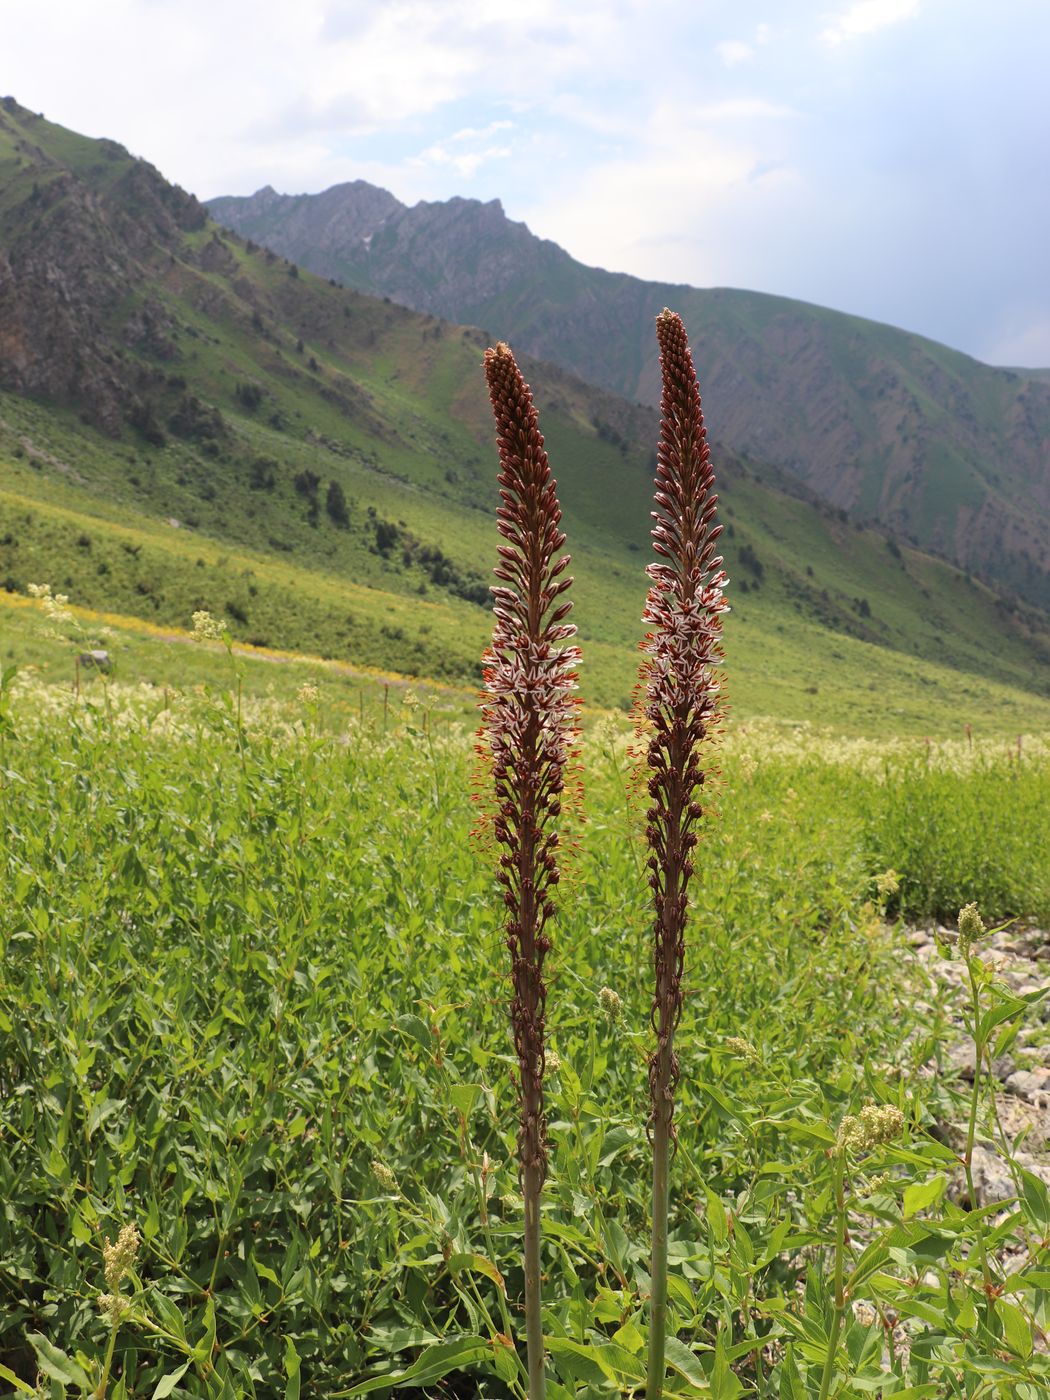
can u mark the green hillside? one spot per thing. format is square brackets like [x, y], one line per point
[189, 421]
[945, 451]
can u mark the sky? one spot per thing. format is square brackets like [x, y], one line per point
[883, 157]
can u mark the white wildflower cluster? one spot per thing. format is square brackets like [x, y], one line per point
[307, 694]
[874, 1125]
[55, 605]
[748, 746]
[207, 628]
[140, 708]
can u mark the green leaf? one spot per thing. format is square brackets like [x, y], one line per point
[291, 1370]
[16, 1381]
[724, 1384]
[682, 1360]
[56, 1363]
[464, 1097]
[437, 1361]
[1015, 1328]
[167, 1383]
[791, 1385]
[923, 1194]
[717, 1220]
[478, 1264]
[416, 1029]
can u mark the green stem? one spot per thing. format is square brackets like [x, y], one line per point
[658, 1306]
[100, 1389]
[971, 1128]
[531, 1187]
[840, 1292]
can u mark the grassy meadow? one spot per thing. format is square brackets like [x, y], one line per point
[255, 1002]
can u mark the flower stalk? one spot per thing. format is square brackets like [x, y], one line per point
[528, 739]
[679, 702]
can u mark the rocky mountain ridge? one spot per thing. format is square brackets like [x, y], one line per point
[889, 426]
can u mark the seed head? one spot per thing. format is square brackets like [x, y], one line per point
[971, 927]
[743, 1048]
[874, 1125]
[114, 1307]
[385, 1177]
[118, 1258]
[611, 1004]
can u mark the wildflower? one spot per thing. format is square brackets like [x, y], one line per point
[679, 708]
[743, 1048]
[552, 1061]
[971, 927]
[878, 1184]
[611, 1004]
[55, 605]
[874, 1125]
[385, 1177]
[118, 1258]
[307, 694]
[529, 736]
[207, 628]
[114, 1307]
[887, 884]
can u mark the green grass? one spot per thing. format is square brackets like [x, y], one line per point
[244, 964]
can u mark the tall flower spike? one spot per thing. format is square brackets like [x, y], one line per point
[529, 729]
[679, 704]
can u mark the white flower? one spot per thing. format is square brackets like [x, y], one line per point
[207, 628]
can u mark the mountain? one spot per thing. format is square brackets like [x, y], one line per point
[947, 452]
[188, 420]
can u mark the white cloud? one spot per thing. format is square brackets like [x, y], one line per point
[479, 133]
[1023, 341]
[733, 51]
[665, 208]
[464, 163]
[867, 17]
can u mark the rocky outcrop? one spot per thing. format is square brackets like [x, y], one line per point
[76, 282]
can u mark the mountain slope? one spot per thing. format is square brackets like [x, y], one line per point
[892, 427]
[189, 421]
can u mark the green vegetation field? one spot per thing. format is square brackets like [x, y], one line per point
[254, 1001]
